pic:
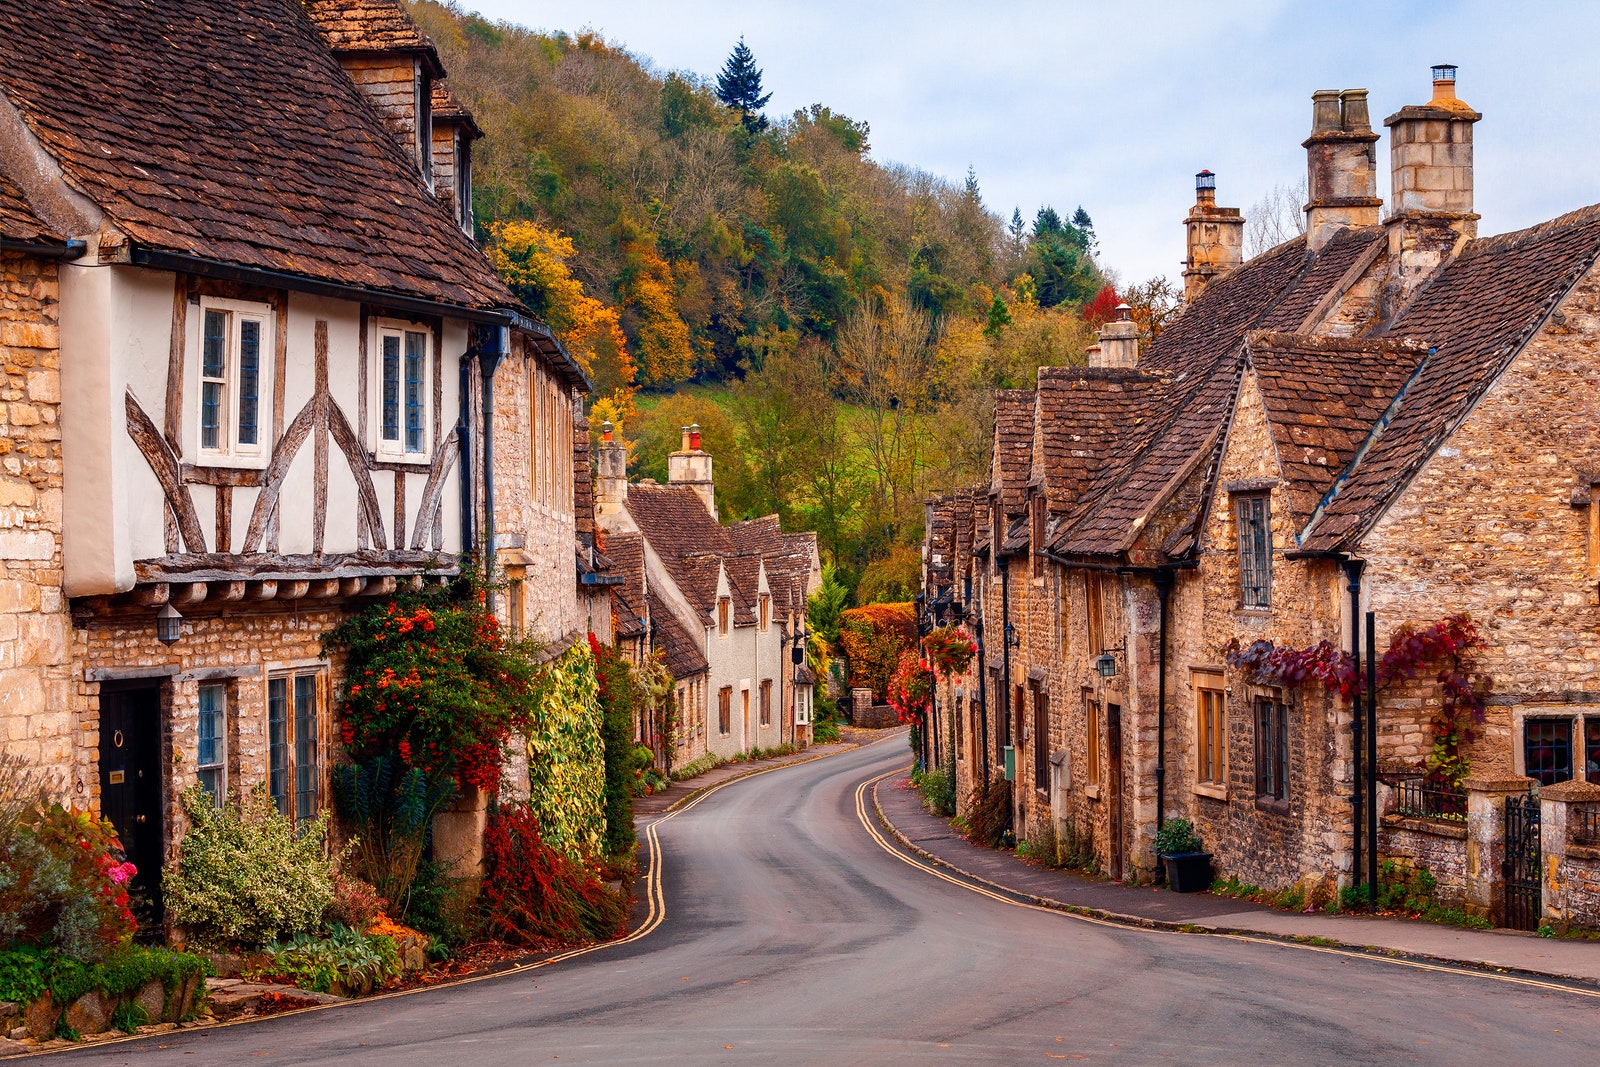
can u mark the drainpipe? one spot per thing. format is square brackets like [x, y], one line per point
[1372, 762]
[1005, 652]
[464, 444]
[982, 689]
[1164, 580]
[1352, 574]
[491, 348]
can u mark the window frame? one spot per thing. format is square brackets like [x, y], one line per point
[289, 779]
[398, 449]
[765, 703]
[725, 711]
[724, 614]
[218, 764]
[1092, 764]
[230, 451]
[1210, 734]
[1576, 732]
[765, 618]
[1255, 554]
[1272, 753]
[1041, 737]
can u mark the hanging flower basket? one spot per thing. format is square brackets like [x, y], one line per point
[910, 687]
[950, 649]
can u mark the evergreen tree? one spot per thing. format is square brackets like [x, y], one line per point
[1047, 223]
[739, 86]
[971, 190]
[1085, 226]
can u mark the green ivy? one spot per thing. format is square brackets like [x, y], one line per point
[26, 974]
[566, 763]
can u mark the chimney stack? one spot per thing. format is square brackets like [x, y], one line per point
[1119, 342]
[1341, 166]
[611, 491]
[1215, 238]
[691, 466]
[1430, 164]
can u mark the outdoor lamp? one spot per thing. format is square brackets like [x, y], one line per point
[1011, 636]
[798, 653]
[1106, 664]
[169, 625]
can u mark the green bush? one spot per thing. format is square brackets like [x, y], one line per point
[346, 961]
[938, 789]
[989, 814]
[244, 876]
[824, 720]
[26, 974]
[1177, 837]
[620, 698]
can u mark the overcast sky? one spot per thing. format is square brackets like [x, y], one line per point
[1115, 105]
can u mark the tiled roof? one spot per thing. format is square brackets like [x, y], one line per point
[1013, 446]
[680, 652]
[1322, 396]
[688, 540]
[447, 108]
[582, 480]
[1477, 314]
[17, 220]
[228, 131]
[366, 26]
[1083, 413]
[627, 561]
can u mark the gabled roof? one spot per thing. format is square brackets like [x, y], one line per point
[1013, 446]
[229, 132]
[367, 27]
[17, 220]
[1082, 413]
[628, 599]
[447, 108]
[1322, 396]
[1476, 315]
[682, 532]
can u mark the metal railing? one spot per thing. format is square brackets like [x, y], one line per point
[1583, 820]
[1417, 798]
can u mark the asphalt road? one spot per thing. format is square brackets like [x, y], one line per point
[789, 935]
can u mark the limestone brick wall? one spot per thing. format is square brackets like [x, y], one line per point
[34, 625]
[534, 524]
[238, 650]
[1579, 877]
[1439, 847]
[1309, 843]
[1489, 527]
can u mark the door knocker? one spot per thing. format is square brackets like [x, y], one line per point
[116, 738]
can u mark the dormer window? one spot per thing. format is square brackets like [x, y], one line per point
[403, 388]
[233, 369]
[424, 112]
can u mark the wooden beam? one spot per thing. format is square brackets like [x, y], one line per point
[184, 594]
[267, 590]
[293, 590]
[152, 596]
[380, 586]
[351, 586]
[227, 591]
[321, 590]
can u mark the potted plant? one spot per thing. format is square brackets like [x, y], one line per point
[1187, 863]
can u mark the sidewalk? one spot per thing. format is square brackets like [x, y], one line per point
[901, 808]
[680, 792]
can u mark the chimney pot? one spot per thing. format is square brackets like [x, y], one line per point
[1353, 111]
[1215, 238]
[605, 430]
[683, 443]
[1325, 112]
[694, 438]
[1124, 312]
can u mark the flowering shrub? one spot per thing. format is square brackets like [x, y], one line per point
[244, 874]
[566, 764]
[355, 903]
[910, 688]
[949, 649]
[1453, 643]
[873, 637]
[538, 895]
[64, 883]
[432, 679]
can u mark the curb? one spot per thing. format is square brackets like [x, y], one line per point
[1146, 923]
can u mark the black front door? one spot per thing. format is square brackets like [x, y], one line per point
[130, 791]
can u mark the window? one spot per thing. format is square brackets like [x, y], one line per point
[403, 388]
[213, 727]
[722, 616]
[1036, 532]
[766, 702]
[516, 606]
[744, 708]
[1041, 738]
[1094, 621]
[233, 367]
[550, 438]
[464, 180]
[1210, 730]
[1091, 731]
[1547, 750]
[766, 611]
[1255, 550]
[1272, 749]
[725, 710]
[294, 775]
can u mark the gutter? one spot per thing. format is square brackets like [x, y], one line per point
[73, 249]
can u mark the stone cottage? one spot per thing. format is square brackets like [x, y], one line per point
[1391, 415]
[257, 374]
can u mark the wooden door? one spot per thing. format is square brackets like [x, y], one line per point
[130, 791]
[1114, 786]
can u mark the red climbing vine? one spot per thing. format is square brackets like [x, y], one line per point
[1453, 643]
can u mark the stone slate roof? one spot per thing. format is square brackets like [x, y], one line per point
[1013, 446]
[1322, 396]
[365, 27]
[17, 220]
[447, 108]
[229, 132]
[1082, 413]
[689, 541]
[628, 599]
[680, 653]
[1477, 314]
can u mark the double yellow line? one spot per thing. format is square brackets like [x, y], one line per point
[869, 823]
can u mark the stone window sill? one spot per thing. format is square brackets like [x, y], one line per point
[1092, 792]
[1214, 790]
[1258, 613]
[1276, 807]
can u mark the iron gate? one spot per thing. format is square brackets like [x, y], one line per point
[1522, 864]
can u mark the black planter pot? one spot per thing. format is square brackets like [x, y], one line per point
[1188, 872]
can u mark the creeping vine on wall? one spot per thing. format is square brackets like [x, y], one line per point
[566, 765]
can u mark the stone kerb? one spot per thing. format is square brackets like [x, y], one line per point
[1570, 893]
[1486, 846]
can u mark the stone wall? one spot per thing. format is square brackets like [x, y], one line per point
[34, 625]
[1439, 846]
[390, 84]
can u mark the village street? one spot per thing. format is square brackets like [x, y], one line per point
[791, 936]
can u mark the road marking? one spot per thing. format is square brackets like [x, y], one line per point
[983, 891]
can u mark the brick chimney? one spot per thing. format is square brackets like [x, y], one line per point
[1119, 342]
[611, 488]
[1341, 166]
[1216, 238]
[1430, 165]
[691, 466]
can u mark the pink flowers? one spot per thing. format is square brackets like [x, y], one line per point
[122, 873]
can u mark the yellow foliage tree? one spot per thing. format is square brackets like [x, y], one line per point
[533, 261]
[649, 297]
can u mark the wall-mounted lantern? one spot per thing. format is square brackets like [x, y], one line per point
[169, 625]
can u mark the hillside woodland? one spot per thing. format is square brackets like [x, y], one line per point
[834, 323]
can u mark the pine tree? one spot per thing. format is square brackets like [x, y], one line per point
[739, 86]
[1085, 226]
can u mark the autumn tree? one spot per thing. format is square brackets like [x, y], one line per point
[739, 87]
[1155, 303]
